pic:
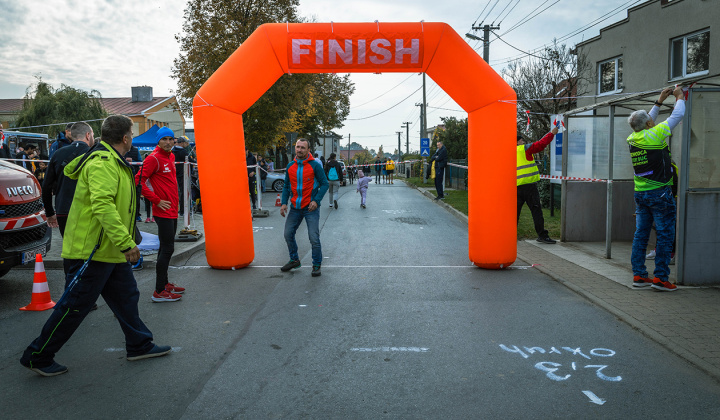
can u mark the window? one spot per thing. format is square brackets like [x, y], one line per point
[690, 55]
[610, 76]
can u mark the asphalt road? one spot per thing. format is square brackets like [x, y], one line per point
[399, 325]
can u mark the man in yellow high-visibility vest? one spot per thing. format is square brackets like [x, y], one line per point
[528, 175]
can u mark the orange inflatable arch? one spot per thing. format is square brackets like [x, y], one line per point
[433, 48]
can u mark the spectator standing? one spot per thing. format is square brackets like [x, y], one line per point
[390, 168]
[271, 165]
[250, 161]
[133, 156]
[28, 152]
[100, 232]
[263, 172]
[4, 151]
[440, 158]
[334, 174]
[363, 184]
[63, 139]
[378, 169]
[384, 171]
[653, 189]
[528, 175]
[159, 185]
[58, 183]
[305, 186]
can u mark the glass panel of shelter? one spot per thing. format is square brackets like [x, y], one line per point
[704, 156]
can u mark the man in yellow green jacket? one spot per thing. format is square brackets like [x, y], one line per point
[100, 228]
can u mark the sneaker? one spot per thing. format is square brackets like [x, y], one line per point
[546, 240]
[650, 255]
[663, 286]
[147, 220]
[335, 201]
[152, 220]
[639, 281]
[138, 265]
[156, 351]
[362, 205]
[316, 270]
[290, 265]
[172, 288]
[165, 296]
[53, 370]
[138, 219]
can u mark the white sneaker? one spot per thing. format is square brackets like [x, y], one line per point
[650, 255]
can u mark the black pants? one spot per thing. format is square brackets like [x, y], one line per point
[528, 193]
[148, 208]
[439, 175]
[116, 284]
[181, 188]
[166, 234]
[138, 193]
[253, 192]
[62, 222]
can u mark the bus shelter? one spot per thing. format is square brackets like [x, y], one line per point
[596, 149]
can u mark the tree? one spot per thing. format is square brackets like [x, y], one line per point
[552, 74]
[309, 104]
[380, 152]
[454, 137]
[364, 157]
[52, 109]
[353, 146]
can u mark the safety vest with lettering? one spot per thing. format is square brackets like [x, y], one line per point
[527, 170]
[651, 157]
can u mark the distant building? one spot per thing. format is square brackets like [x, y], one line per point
[142, 107]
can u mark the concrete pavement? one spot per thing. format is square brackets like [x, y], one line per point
[686, 322]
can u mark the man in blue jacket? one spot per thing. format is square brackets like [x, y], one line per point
[305, 187]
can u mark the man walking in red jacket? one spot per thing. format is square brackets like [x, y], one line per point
[159, 185]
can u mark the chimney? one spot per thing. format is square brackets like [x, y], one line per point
[142, 94]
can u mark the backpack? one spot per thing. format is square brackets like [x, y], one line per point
[332, 174]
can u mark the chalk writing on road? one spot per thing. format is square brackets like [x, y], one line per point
[562, 372]
[391, 349]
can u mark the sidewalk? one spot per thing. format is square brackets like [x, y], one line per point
[183, 250]
[686, 322]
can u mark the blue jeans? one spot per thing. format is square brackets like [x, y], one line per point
[658, 206]
[312, 219]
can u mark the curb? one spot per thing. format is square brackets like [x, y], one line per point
[174, 260]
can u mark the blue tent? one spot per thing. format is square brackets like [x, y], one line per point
[147, 141]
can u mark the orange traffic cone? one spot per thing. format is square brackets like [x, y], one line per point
[277, 201]
[40, 299]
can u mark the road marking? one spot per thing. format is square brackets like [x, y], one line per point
[197, 267]
[391, 349]
[594, 398]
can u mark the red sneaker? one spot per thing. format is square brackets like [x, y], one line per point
[663, 286]
[165, 296]
[170, 287]
[641, 281]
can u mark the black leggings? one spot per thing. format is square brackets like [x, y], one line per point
[148, 208]
[166, 234]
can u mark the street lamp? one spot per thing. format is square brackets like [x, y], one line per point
[473, 37]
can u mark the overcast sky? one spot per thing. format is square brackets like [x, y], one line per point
[112, 45]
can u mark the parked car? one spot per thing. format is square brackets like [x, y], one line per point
[275, 181]
[24, 231]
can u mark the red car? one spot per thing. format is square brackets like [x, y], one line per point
[24, 231]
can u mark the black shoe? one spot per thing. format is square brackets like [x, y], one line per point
[156, 351]
[94, 308]
[362, 205]
[53, 370]
[290, 265]
[546, 240]
[316, 270]
[335, 201]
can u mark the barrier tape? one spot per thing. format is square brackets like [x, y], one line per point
[574, 178]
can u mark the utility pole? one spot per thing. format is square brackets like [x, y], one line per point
[485, 39]
[399, 158]
[406, 125]
[348, 161]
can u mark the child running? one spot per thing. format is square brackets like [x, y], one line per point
[362, 186]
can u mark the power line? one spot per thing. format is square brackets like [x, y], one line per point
[577, 31]
[490, 11]
[483, 11]
[503, 10]
[533, 17]
[382, 112]
[525, 52]
[386, 92]
[508, 13]
[522, 20]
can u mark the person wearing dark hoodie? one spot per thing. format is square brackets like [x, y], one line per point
[159, 185]
[63, 139]
[100, 238]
